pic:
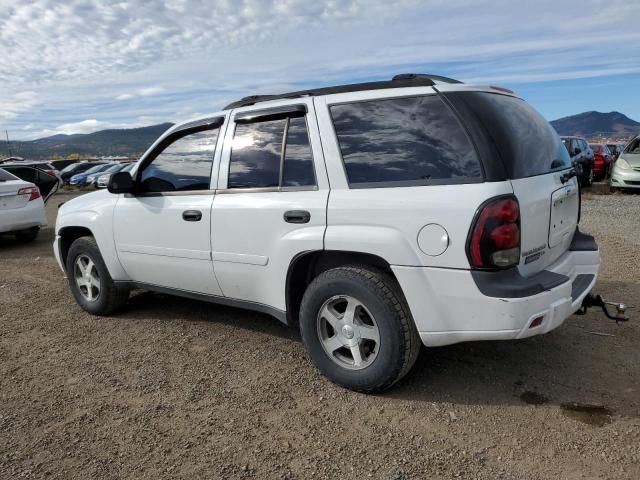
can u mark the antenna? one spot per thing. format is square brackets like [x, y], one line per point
[8, 143]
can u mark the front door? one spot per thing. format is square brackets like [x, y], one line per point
[271, 200]
[162, 231]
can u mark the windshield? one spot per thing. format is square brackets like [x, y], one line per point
[113, 168]
[4, 176]
[70, 167]
[96, 169]
[633, 147]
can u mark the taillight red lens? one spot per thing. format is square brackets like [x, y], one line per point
[51, 173]
[494, 240]
[33, 192]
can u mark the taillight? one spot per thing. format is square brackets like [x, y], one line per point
[494, 239]
[51, 173]
[33, 192]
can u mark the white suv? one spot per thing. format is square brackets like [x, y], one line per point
[377, 217]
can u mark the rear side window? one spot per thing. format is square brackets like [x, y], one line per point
[408, 141]
[271, 153]
[526, 143]
[6, 176]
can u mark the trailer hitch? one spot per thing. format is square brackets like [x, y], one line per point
[592, 300]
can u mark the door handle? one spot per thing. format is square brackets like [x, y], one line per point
[192, 215]
[297, 216]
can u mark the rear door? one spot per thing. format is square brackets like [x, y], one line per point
[537, 163]
[271, 200]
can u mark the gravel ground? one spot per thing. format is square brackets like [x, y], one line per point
[174, 388]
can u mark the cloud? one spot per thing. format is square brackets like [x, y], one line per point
[62, 63]
[12, 106]
[143, 92]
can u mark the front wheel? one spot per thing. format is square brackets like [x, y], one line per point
[357, 328]
[89, 279]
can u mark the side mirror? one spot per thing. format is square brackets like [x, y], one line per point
[120, 182]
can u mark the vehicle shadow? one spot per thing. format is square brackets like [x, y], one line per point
[144, 304]
[589, 360]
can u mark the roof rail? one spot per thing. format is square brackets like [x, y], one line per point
[437, 78]
[399, 81]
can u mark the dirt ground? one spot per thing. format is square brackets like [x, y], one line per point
[174, 388]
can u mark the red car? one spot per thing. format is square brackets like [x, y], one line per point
[602, 159]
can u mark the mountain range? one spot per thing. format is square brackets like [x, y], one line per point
[592, 123]
[130, 142]
[134, 141]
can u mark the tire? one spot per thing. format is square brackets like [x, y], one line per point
[107, 296]
[26, 236]
[381, 305]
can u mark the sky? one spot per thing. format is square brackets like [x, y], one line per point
[77, 66]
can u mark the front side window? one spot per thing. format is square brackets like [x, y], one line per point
[415, 141]
[183, 165]
[271, 154]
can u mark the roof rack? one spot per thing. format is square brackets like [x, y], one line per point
[398, 81]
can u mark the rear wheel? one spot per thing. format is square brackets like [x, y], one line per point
[588, 178]
[89, 279]
[28, 235]
[357, 328]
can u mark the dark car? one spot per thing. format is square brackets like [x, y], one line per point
[62, 164]
[615, 149]
[76, 168]
[602, 160]
[582, 157]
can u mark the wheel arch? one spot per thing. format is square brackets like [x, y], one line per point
[305, 266]
[68, 235]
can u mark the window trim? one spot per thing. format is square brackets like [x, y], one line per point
[410, 183]
[182, 131]
[273, 113]
[287, 113]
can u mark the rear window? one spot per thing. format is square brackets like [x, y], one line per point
[526, 143]
[403, 141]
[6, 176]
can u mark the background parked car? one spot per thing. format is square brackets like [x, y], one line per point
[581, 156]
[103, 179]
[21, 207]
[92, 179]
[75, 168]
[41, 174]
[602, 161]
[80, 179]
[615, 149]
[626, 171]
[62, 164]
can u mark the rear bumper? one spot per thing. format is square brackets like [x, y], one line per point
[449, 307]
[31, 215]
[625, 178]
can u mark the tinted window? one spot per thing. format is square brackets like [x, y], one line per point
[183, 165]
[4, 176]
[525, 142]
[298, 160]
[411, 140]
[24, 173]
[634, 146]
[255, 154]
